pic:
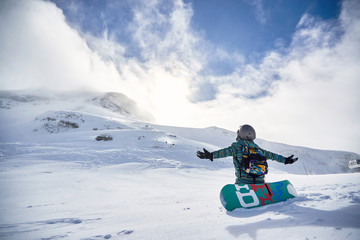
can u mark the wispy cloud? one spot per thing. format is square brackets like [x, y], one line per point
[312, 86]
[258, 10]
[39, 49]
[297, 95]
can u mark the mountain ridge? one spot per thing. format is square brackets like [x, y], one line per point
[32, 116]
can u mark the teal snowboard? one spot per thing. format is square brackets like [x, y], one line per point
[234, 196]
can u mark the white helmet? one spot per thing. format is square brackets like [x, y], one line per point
[246, 132]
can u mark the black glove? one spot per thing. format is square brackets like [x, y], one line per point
[290, 160]
[206, 154]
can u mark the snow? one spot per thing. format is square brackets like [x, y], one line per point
[58, 182]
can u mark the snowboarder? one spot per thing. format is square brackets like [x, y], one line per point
[240, 150]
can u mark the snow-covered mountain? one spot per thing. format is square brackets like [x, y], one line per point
[36, 115]
[91, 166]
[108, 104]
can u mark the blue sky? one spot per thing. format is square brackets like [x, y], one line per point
[252, 27]
[245, 26]
[289, 68]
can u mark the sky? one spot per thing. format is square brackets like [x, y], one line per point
[288, 68]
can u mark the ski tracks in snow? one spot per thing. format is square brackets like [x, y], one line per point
[46, 229]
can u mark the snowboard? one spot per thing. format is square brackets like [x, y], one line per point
[234, 196]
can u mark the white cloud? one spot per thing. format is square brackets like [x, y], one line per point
[38, 49]
[306, 96]
[258, 10]
[314, 101]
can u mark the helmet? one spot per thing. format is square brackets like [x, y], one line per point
[246, 132]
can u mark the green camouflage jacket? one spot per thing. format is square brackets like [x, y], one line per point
[236, 150]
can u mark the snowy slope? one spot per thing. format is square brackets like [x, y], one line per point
[58, 182]
[313, 161]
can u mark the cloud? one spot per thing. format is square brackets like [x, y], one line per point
[258, 10]
[306, 94]
[311, 90]
[39, 49]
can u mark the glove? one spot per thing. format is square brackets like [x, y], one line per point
[290, 160]
[206, 154]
